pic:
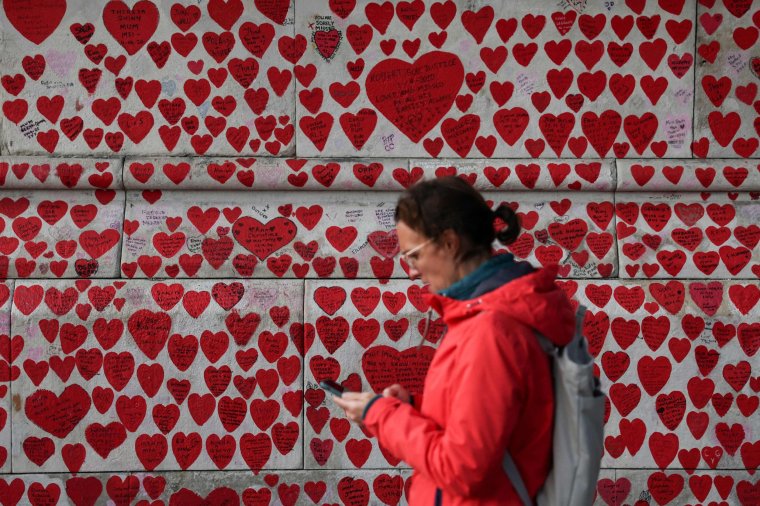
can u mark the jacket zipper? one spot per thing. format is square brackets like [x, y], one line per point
[438, 491]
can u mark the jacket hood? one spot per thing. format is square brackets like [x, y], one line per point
[534, 299]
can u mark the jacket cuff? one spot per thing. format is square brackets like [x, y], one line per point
[369, 404]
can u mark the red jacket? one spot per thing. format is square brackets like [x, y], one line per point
[488, 389]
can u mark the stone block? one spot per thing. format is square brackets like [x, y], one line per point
[266, 174]
[678, 360]
[726, 106]
[287, 488]
[50, 234]
[381, 174]
[688, 235]
[128, 375]
[522, 175]
[157, 78]
[689, 176]
[495, 79]
[678, 487]
[348, 234]
[46, 173]
[263, 234]
[65, 489]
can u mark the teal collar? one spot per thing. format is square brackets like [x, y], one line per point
[465, 287]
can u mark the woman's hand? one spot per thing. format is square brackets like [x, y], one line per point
[353, 403]
[398, 392]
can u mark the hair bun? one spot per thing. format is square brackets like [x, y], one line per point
[506, 224]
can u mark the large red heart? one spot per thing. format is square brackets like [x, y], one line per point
[614, 492]
[132, 28]
[276, 10]
[263, 239]
[357, 488]
[150, 331]
[415, 96]
[58, 414]
[255, 450]
[105, 438]
[35, 19]
[327, 42]
[84, 490]
[384, 366]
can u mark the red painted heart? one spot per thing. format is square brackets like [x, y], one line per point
[415, 96]
[36, 20]
[132, 28]
[58, 414]
[263, 239]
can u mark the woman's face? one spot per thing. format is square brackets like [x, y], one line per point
[431, 262]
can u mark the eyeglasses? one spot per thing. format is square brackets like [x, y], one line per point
[411, 256]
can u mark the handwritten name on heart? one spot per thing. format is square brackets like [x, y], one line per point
[415, 96]
[131, 27]
[36, 20]
[58, 414]
[384, 366]
[263, 239]
[150, 331]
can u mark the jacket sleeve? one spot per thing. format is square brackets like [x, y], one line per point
[486, 402]
[416, 401]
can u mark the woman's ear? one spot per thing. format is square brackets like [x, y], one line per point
[450, 242]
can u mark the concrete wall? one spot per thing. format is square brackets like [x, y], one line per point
[196, 226]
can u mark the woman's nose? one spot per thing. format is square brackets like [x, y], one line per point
[413, 274]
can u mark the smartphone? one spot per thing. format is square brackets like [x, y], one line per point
[332, 387]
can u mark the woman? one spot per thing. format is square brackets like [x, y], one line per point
[488, 389]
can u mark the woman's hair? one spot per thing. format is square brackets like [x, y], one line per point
[430, 207]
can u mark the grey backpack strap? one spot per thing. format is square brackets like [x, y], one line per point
[514, 476]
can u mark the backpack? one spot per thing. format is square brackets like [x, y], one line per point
[578, 436]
